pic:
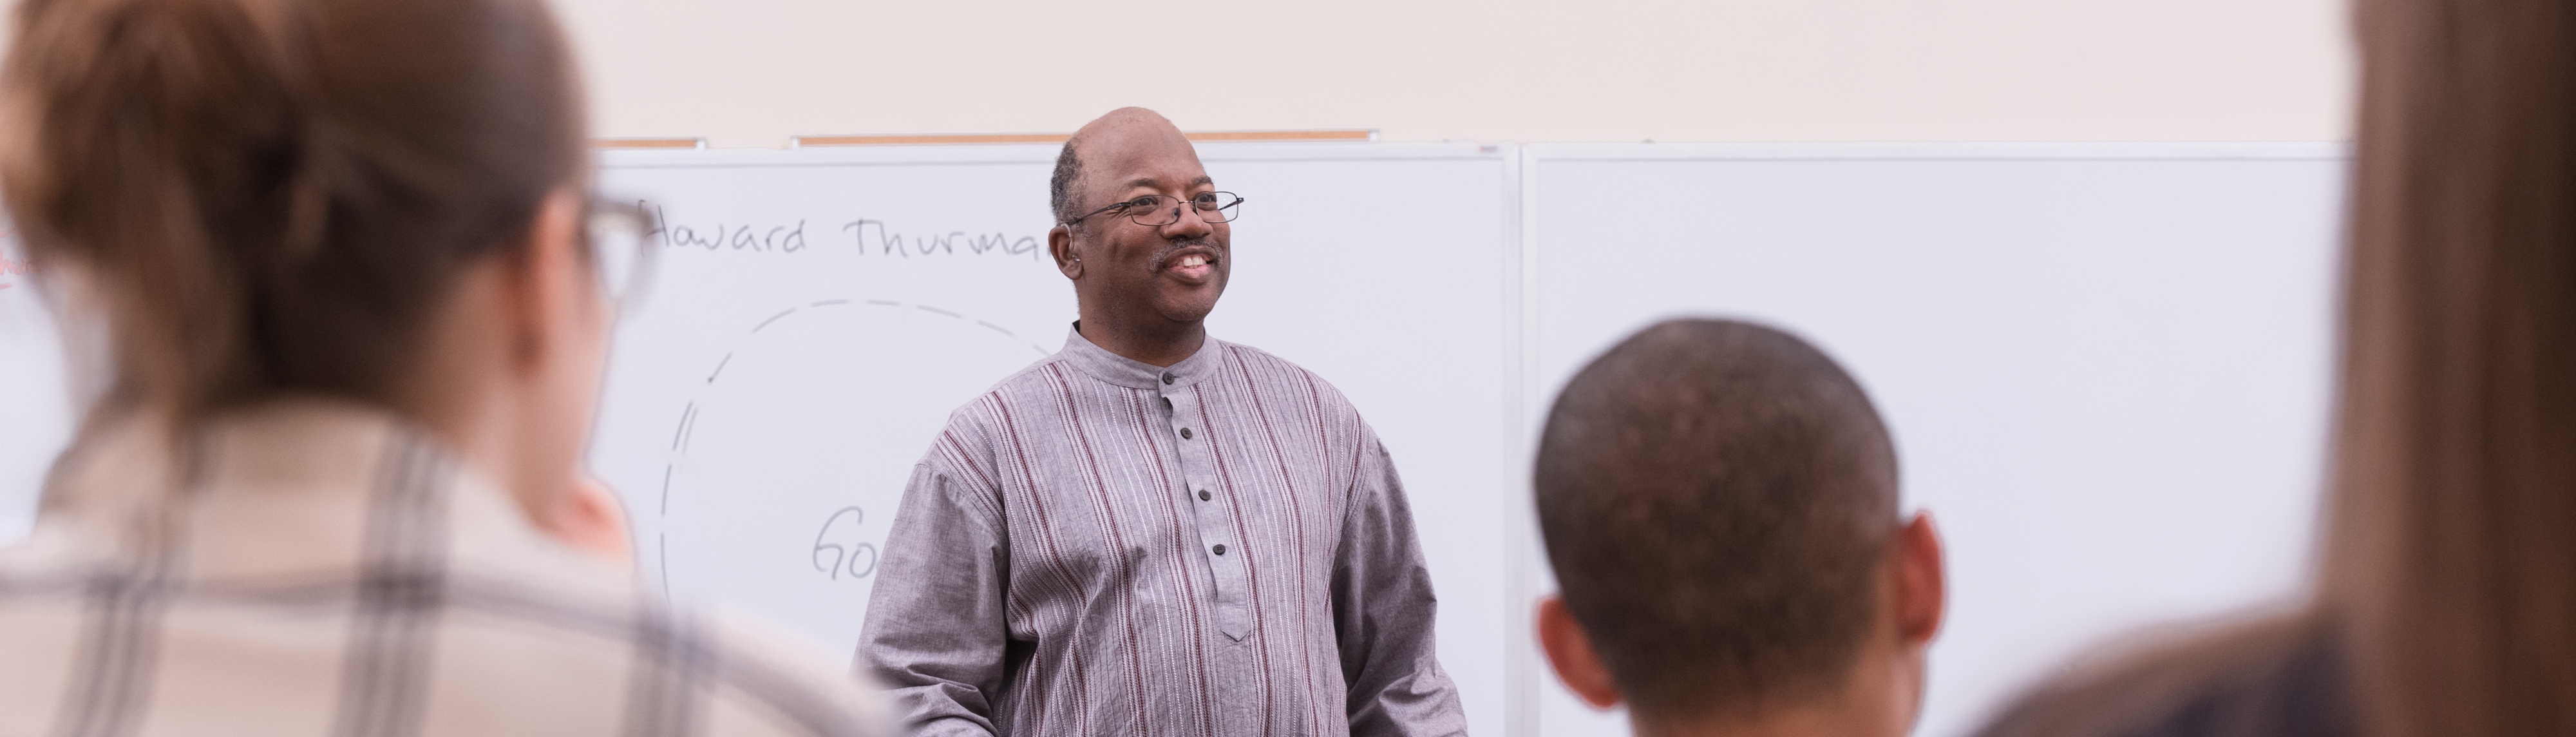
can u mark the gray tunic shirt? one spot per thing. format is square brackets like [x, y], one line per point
[1101, 546]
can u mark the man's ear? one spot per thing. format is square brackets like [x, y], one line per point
[1569, 650]
[549, 280]
[1922, 586]
[1060, 245]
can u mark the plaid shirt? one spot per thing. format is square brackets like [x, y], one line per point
[323, 570]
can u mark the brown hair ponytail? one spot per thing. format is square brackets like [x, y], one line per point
[263, 196]
[2448, 599]
[2452, 538]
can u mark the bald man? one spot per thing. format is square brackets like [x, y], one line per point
[1155, 532]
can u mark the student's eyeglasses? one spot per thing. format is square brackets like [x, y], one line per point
[621, 250]
[1155, 211]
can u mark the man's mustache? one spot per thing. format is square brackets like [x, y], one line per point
[1163, 256]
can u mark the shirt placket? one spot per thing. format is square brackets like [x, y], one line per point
[1210, 501]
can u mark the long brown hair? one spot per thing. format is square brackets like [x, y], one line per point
[2452, 549]
[262, 196]
[2448, 599]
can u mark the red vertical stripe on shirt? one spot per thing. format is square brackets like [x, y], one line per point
[1184, 556]
[1252, 571]
[1297, 523]
[1055, 557]
[1123, 583]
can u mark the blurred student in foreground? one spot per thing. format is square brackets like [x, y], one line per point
[1719, 501]
[2446, 603]
[336, 264]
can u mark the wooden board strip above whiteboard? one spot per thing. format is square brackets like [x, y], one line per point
[928, 140]
[1326, 135]
[650, 143]
[932, 140]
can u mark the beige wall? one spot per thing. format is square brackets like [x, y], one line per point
[752, 72]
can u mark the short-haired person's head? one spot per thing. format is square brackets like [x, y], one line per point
[1131, 270]
[1719, 502]
[378, 202]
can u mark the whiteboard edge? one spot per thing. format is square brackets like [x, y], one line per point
[1961, 150]
[1521, 656]
[1025, 153]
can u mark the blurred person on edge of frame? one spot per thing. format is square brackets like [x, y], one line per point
[2447, 573]
[337, 268]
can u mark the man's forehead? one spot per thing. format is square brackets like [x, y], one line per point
[1150, 181]
[1148, 162]
[1135, 148]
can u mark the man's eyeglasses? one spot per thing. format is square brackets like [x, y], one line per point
[1155, 211]
[621, 250]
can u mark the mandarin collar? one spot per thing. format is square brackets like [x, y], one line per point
[1101, 364]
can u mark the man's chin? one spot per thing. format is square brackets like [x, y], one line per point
[1189, 307]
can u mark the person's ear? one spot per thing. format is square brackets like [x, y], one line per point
[552, 290]
[1060, 245]
[1570, 651]
[1922, 587]
[592, 520]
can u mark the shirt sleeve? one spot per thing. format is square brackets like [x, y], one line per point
[935, 632]
[1383, 610]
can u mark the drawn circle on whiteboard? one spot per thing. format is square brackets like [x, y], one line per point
[786, 467]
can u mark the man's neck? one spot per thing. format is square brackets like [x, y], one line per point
[1809, 720]
[1159, 347]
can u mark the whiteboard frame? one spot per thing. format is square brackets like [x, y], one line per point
[1527, 675]
[1941, 151]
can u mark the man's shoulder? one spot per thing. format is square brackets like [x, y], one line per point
[982, 411]
[1266, 371]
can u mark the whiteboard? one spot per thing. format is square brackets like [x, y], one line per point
[2106, 366]
[817, 313]
[35, 403]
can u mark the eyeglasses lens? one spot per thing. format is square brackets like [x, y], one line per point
[621, 251]
[1157, 211]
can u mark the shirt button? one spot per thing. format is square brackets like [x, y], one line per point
[1185, 433]
[1203, 495]
[1220, 550]
[1167, 377]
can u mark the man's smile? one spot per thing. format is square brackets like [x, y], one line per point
[1190, 264]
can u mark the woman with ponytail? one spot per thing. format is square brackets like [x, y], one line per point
[2446, 599]
[336, 270]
